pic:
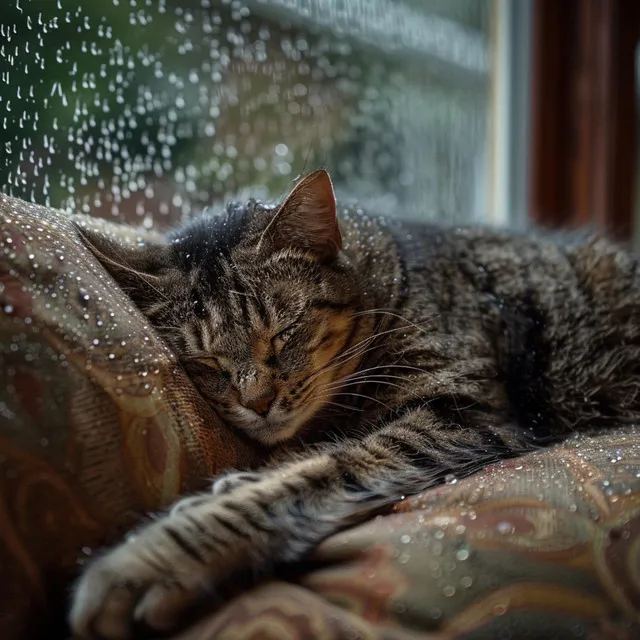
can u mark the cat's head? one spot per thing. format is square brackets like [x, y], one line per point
[259, 303]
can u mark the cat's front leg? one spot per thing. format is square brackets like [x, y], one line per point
[151, 580]
[224, 483]
[233, 480]
[165, 561]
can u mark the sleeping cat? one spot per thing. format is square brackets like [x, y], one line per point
[382, 356]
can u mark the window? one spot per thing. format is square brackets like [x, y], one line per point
[149, 110]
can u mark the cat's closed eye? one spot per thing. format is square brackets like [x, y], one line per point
[213, 362]
[284, 336]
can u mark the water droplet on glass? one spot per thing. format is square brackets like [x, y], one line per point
[462, 554]
[505, 527]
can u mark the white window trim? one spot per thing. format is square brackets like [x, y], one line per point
[508, 193]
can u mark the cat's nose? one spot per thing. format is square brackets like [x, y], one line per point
[261, 404]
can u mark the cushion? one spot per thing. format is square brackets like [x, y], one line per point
[99, 426]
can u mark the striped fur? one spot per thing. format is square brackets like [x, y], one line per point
[379, 358]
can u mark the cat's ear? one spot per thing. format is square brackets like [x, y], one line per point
[307, 218]
[134, 263]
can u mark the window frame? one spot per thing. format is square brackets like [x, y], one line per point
[584, 120]
[510, 113]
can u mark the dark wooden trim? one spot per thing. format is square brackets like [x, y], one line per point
[584, 119]
[549, 200]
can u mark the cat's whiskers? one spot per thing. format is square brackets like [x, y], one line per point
[353, 395]
[342, 385]
[342, 406]
[351, 349]
[314, 390]
[358, 378]
[384, 367]
[367, 373]
[362, 379]
[350, 354]
[326, 392]
[393, 314]
[365, 349]
[410, 392]
[328, 369]
[378, 334]
[339, 361]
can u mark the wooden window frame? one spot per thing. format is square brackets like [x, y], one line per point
[583, 114]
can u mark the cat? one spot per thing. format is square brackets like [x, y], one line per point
[380, 356]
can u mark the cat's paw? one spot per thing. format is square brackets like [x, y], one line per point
[223, 484]
[230, 481]
[151, 581]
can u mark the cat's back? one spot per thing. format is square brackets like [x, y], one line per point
[536, 264]
[557, 313]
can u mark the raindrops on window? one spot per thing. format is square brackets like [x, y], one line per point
[146, 111]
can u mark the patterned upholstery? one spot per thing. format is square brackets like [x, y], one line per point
[98, 426]
[97, 423]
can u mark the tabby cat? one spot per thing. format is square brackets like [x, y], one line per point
[394, 353]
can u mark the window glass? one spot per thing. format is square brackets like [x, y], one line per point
[149, 110]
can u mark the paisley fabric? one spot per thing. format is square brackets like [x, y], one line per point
[99, 426]
[97, 423]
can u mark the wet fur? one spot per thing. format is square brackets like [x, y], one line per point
[442, 349]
